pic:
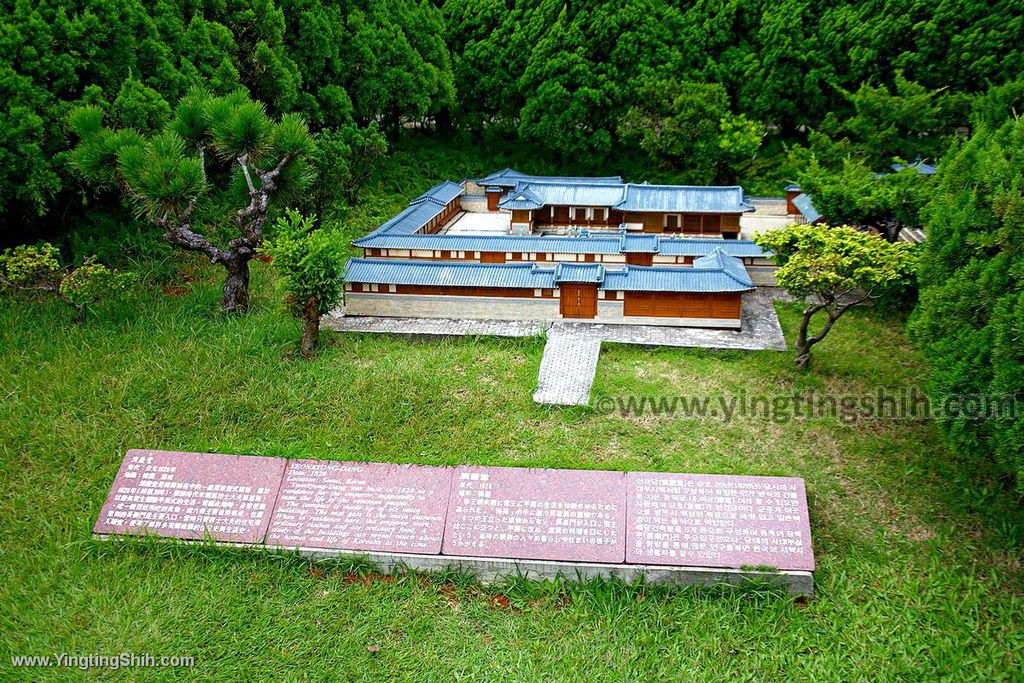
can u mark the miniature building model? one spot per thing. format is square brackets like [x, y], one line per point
[518, 247]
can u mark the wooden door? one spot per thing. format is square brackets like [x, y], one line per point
[637, 259]
[578, 301]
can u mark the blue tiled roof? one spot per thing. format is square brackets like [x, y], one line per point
[718, 260]
[440, 194]
[668, 279]
[692, 246]
[521, 198]
[639, 244]
[721, 276]
[632, 196]
[579, 272]
[587, 243]
[803, 204]
[509, 177]
[409, 220]
[572, 194]
[683, 198]
[448, 273]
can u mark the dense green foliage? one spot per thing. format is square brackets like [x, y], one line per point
[854, 194]
[970, 320]
[310, 263]
[578, 68]
[594, 84]
[343, 160]
[332, 62]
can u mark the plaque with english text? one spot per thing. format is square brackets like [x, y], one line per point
[361, 506]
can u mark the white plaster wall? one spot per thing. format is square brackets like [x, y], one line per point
[762, 276]
[473, 204]
[468, 307]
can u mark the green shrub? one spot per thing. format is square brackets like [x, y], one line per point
[311, 263]
[38, 268]
[968, 322]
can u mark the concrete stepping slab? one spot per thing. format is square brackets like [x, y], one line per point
[567, 369]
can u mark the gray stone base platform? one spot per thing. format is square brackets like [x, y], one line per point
[761, 330]
[491, 570]
[431, 327]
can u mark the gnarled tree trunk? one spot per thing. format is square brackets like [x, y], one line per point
[240, 250]
[804, 340]
[803, 345]
[235, 296]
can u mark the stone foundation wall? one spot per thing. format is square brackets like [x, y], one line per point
[496, 308]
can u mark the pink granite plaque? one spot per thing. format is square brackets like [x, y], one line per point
[192, 495]
[540, 514]
[361, 506]
[706, 520]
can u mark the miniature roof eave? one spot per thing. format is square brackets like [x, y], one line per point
[447, 273]
[639, 244]
[675, 279]
[805, 206]
[507, 178]
[521, 199]
[440, 194]
[586, 273]
[608, 243]
[644, 197]
[534, 276]
[560, 193]
[718, 260]
[502, 175]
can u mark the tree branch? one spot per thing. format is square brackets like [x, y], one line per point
[270, 177]
[202, 160]
[181, 234]
[243, 161]
[50, 287]
[249, 219]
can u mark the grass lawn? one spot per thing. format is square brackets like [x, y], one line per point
[918, 549]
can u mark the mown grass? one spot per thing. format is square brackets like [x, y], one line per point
[918, 549]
